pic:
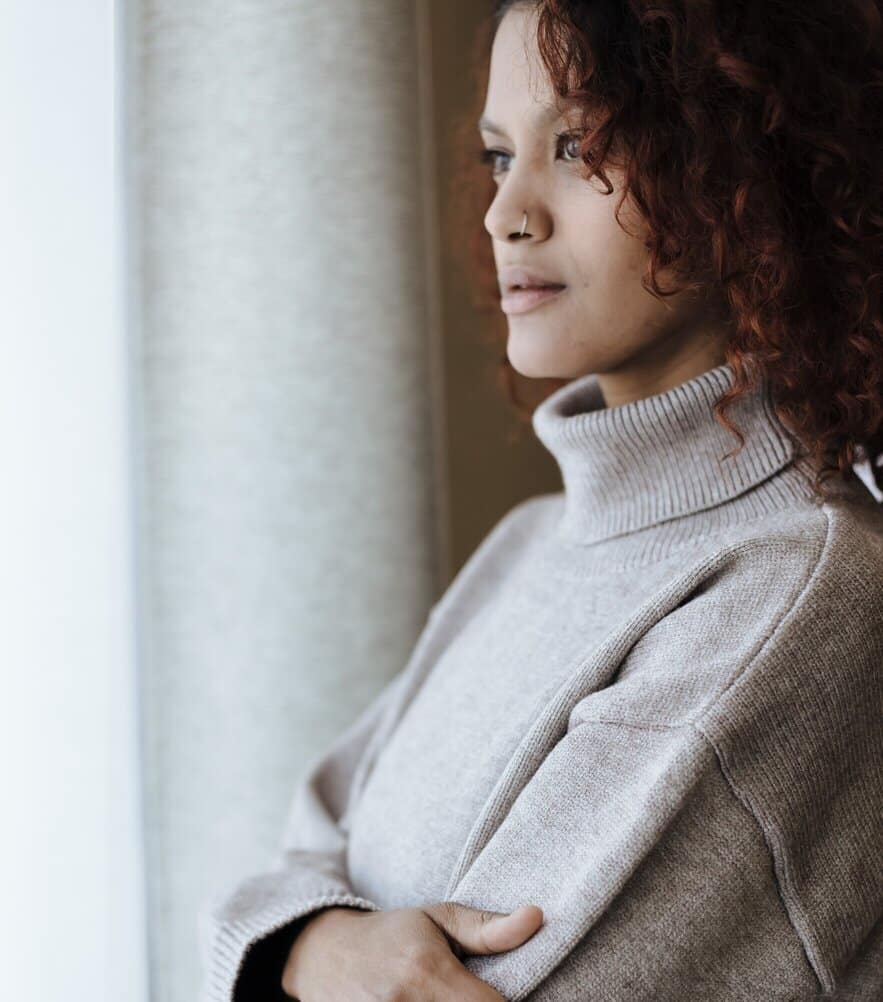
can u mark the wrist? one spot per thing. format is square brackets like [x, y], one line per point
[304, 935]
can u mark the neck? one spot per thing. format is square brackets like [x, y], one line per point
[670, 361]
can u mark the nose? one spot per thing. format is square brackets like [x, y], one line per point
[504, 219]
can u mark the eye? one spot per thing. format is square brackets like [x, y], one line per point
[489, 157]
[568, 141]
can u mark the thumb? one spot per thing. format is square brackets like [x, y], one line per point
[478, 931]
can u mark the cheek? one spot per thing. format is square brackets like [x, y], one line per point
[603, 259]
[601, 252]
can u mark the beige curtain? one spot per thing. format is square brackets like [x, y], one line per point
[293, 510]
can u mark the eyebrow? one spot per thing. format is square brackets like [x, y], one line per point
[548, 113]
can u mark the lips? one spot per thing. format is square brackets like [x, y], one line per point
[522, 300]
[513, 278]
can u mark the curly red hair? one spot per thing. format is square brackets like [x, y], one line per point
[752, 142]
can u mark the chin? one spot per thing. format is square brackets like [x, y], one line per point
[534, 365]
[525, 362]
[533, 356]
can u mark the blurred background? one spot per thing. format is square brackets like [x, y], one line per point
[251, 427]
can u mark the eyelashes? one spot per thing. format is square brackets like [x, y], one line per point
[489, 157]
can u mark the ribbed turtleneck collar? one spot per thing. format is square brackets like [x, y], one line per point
[651, 460]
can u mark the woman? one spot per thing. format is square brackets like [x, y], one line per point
[637, 750]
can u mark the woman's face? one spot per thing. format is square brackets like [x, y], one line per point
[603, 321]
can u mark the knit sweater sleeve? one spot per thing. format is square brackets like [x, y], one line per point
[246, 931]
[729, 848]
[654, 881]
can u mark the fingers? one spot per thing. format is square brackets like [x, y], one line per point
[479, 931]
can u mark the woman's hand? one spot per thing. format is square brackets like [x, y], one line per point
[404, 954]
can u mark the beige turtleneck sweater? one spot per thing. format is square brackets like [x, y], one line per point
[651, 703]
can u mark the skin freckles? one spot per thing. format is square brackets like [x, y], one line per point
[604, 322]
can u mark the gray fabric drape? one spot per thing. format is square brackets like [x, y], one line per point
[292, 508]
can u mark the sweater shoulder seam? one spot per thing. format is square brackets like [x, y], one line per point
[788, 611]
[797, 918]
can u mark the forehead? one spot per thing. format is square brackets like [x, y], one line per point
[518, 82]
[516, 69]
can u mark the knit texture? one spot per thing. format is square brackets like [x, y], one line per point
[650, 703]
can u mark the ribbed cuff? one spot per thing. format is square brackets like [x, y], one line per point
[230, 941]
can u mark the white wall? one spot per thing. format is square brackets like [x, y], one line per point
[70, 870]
